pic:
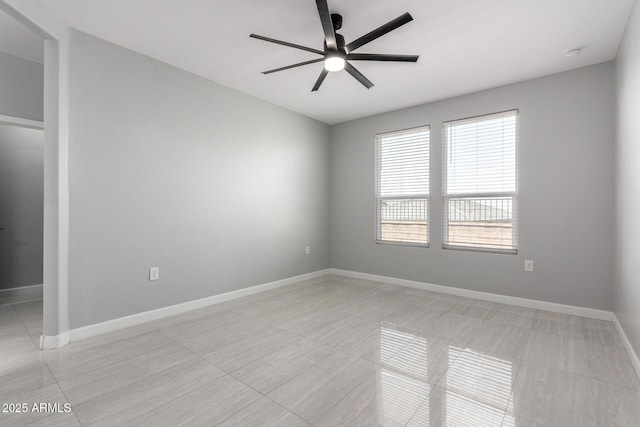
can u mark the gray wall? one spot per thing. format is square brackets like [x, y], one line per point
[21, 206]
[220, 190]
[21, 87]
[566, 133]
[627, 302]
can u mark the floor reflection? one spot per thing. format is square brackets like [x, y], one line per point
[483, 378]
[399, 396]
[392, 341]
[400, 383]
[429, 382]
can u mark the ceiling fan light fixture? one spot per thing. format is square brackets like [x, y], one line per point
[334, 63]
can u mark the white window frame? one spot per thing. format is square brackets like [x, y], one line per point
[419, 196]
[447, 197]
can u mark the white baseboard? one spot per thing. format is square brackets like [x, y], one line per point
[19, 288]
[50, 342]
[18, 121]
[22, 293]
[635, 361]
[53, 342]
[485, 296]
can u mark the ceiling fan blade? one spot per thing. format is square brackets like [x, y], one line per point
[323, 74]
[293, 66]
[297, 46]
[327, 24]
[358, 75]
[381, 57]
[378, 32]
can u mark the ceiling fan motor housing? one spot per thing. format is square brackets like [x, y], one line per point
[336, 20]
[340, 42]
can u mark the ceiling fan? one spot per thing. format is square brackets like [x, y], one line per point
[337, 54]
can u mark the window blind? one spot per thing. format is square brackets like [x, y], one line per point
[480, 182]
[402, 186]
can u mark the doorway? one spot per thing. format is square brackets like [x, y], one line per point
[21, 230]
[24, 79]
[35, 17]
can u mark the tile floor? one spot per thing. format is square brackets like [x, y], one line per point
[327, 352]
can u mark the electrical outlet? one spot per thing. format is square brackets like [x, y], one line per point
[307, 250]
[528, 265]
[154, 273]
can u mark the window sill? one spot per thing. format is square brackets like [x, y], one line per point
[394, 243]
[480, 249]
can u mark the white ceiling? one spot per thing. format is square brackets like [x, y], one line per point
[464, 45]
[18, 40]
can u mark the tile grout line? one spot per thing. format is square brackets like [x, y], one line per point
[23, 324]
[436, 383]
[61, 390]
[261, 394]
[221, 370]
[347, 393]
[237, 379]
[334, 351]
[107, 364]
[379, 366]
[510, 400]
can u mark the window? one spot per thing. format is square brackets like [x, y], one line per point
[402, 187]
[480, 184]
